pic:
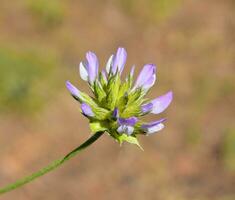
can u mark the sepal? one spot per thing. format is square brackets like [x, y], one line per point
[130, 139]
[97, 126]
[99, 91]
[113, 90]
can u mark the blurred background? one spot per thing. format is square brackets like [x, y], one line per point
[193, 44]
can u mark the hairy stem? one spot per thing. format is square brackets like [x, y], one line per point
[51, 166]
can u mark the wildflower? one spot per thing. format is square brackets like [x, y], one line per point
[117, 106]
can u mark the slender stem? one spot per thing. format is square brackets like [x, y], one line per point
[51, 166]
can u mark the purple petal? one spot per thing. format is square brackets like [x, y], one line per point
[153, 127]
[127, 121]
[115, 113]
[86, 110]
[104, 75]
[119, 60]
[149, 83]
[132, 71]
[125, 129]
[146, 77]
[161, 103]
[92, 66]
[146, 107]
[73, 90]
[154, 123]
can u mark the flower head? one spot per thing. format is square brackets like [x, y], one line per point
[117, 106]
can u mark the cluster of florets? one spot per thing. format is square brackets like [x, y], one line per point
[118, 106]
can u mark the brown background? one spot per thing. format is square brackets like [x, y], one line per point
[192, 43]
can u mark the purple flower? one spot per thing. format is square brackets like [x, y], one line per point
[115, 113]
[119, 60]
[124, 129]
[73, 90]
[86, 110]
[147, 77]
[127, 121]
[126, 125]
[89, 69]
[146, 108]
[104, 76]
[117, 106]
[153, 127]
[132, 71]
[159, 104]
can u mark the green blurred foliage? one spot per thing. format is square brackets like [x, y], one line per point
[193, 134]
[48, 13]
[228, 149]
[151, 10]
[24, 75]
[227, 87]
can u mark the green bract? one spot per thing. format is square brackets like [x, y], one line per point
[110, 95]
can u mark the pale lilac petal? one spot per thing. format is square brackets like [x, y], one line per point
[83, 71]
[161, 103]
[153, 127]
[115, 113]
[73, 90]
[127, 121]
[109, 64]
[119, 60]
[92, 66]
[154, 123]
[86, 110]
[132, 71]
[146, 107]
[104, 76]
[146, 77]
[124, 129]
[149, 83]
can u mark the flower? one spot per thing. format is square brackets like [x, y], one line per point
[89, 68]
[117, 106]
[146, 78]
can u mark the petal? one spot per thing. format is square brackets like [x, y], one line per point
[92, 66]
[104, 75]
[146, 107]
[86, 110]
[146, 77]
[149, 83]
[83, 71]
[115, 113]
[153, 127]
[73, 90]
[132, 71]
[154, 123]
[119, 60]
[162, 102]
[127, 121]
[109, 64]
[125, 129]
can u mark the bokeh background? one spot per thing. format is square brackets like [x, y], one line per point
[193, 44]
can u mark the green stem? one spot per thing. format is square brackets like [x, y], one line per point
[51, 166]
